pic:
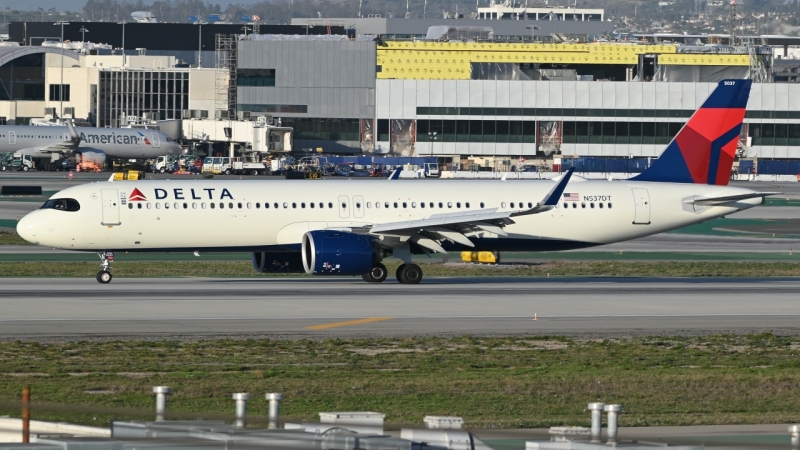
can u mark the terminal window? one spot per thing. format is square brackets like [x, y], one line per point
[255, 77]
[23, 78]
[59, 92]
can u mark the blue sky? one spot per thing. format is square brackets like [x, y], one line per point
[77, 5]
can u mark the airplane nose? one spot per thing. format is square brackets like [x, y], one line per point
[27, 229]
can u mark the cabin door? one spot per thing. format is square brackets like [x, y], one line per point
[110, 206]
[641, 199]
[156, 141]
[12, 137]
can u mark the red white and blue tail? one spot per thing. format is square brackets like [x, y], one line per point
[704, 149]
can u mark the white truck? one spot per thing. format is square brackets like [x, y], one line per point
[432, 170]
[21, 162]
[165, 164]
[224, 165]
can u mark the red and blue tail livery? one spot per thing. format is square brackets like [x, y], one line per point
[704, 149]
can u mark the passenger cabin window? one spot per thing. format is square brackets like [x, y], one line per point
[62, 204]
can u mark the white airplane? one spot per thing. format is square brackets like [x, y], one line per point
[346, 227]
[49, 145]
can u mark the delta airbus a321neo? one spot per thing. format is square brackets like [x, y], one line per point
[346, 227]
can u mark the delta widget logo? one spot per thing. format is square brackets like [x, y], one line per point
[137, 196]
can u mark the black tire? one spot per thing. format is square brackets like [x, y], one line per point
[227, 171]
[399, 271]
[25, 168]
[104, 277]
[377, 274]
[411, 274]
[254, 173]
[162, 170]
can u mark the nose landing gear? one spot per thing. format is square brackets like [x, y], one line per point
[104, 275]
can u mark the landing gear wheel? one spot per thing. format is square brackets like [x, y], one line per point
[376, 274]
[104, 276]
[399, 271]
[411, 274]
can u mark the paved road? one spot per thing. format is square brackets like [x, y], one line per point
[345, 307]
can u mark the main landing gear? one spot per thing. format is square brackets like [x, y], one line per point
[409, 274]
[104, 276]
[406, 274]
[376, 274]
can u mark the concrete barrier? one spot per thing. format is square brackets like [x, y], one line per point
[11, 429]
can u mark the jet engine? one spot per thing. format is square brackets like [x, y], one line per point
[278, 262]
[328, 252]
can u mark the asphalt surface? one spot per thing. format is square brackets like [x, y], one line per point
[346, 307]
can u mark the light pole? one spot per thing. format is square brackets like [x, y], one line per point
[83, 31]
[199, 43]
[123, 41]
[533, 29]
[432, 135]
[61, 86]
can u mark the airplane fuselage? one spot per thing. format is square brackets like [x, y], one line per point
[205, 215]
[123, 143]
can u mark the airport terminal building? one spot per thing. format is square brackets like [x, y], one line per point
[375, 87]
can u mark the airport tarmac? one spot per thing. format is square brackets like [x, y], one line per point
[347, 307]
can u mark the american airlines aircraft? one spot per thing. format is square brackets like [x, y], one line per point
[346, 227]
[48, 145]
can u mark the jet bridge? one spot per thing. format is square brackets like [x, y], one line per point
[261, 134]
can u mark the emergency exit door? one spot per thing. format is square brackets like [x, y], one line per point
[110, 199]
[358, 206]
[641, 199]
[344, 206]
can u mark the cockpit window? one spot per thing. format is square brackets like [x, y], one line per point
[62, 204]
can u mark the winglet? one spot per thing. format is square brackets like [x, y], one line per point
[395, 174]
[552, 198]
[72, 133]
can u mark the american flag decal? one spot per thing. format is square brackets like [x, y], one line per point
[573, 197]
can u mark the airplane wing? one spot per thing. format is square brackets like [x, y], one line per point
[67, 146]
[431, 231]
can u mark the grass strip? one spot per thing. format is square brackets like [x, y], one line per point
[490, 381]
[8, 238]
[545, 269]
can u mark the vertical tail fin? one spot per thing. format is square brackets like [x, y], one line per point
[704, 149]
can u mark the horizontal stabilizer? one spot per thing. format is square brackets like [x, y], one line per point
[711, 201]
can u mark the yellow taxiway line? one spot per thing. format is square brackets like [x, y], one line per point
[348, 323]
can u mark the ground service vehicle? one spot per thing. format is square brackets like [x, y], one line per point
[22, 162]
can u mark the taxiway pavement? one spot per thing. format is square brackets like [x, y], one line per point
[285, 307]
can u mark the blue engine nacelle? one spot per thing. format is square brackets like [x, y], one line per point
[278, 262]
[328, 252]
